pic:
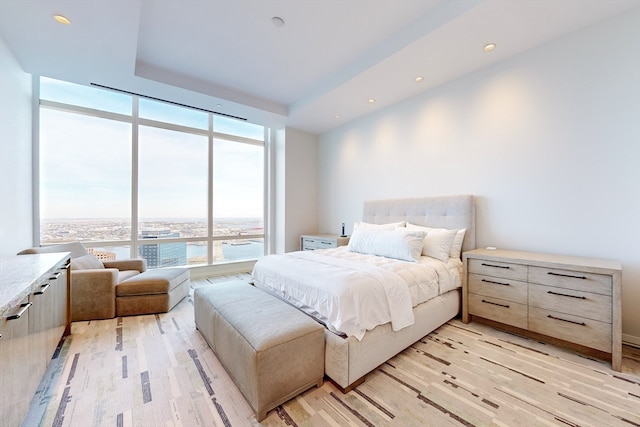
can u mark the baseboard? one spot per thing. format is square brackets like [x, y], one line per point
[631, 340]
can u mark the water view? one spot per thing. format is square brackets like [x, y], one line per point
[93, 231]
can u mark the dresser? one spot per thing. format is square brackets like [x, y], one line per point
[310, 242]
[569, 300]
[34, 315]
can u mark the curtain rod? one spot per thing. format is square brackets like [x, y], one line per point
[167, 101]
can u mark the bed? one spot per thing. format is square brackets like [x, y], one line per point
[355, 348]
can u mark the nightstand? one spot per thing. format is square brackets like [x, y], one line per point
[310, 242]
[561, 299]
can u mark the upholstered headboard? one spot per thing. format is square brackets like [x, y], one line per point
[437, 212]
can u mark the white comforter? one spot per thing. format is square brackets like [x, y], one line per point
[352, 292]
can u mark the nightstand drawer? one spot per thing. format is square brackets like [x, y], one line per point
[578, 303]
[579, 330]
[311, 242]
[496, 287]
[507, 312]
[317, 243]
[569, 279]
[498, 269]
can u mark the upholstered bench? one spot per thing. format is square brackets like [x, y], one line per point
[154, 291]
[272, 351]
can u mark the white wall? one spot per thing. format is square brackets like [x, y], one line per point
[16, 218]
[296, 171]
[548, 141]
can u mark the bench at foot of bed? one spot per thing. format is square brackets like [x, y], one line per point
[271, 350]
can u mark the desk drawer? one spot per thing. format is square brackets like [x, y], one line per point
[507, 312]
[587, 332]
[506, 289]
[498, 269]
[588, 282]
[577, 303]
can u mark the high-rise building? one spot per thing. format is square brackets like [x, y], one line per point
[162, 254]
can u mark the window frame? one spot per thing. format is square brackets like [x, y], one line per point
[134, 240]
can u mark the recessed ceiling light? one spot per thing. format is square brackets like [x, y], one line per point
[489, 47]
[371, 101]
[419, 79]
[338, 116]
[62, 19]
[277, 21]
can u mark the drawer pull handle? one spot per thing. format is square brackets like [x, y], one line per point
[495, 303]
[566, 275]
[566, 295]
[495, 283]
[19, 314]
[496, 266]
[568, 321]
[43, 289]
[55, 275]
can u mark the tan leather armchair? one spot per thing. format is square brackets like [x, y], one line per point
[93, 282]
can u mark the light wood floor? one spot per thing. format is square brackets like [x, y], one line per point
[156, 370]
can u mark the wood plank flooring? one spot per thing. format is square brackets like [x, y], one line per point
[156, 370]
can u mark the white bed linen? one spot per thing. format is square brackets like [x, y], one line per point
[352, 292]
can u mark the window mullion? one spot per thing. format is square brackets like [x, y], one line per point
[134, 178]
[210, 193]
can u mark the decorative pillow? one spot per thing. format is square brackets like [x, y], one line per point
[389, 226]
[456, 246]
[399, 244]
[438, 243]
[86, 262]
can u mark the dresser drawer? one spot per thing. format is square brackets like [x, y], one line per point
[587, 332]
[496, 287]
[498, 269]
[578, 303]
[569, 279]
[507, 312]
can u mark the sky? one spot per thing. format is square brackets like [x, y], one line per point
[86, 167]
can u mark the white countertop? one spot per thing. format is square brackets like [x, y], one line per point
[19, 275]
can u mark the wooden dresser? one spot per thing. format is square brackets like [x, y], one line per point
[568, 300]
[34, 315]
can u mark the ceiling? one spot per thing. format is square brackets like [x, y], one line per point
[328, 59]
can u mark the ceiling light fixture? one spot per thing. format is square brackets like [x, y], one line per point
[277, 21]
[489, 47]
[371, 101]
[419, 79]
[62, 19]
[337, 116]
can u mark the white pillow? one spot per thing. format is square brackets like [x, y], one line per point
[86, 262]
[399, 244]
[440, 243]
[389, 226]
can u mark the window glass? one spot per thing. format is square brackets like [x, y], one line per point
[237, 127]
[85, 178]
[237, 250]
[175, 114]
[238, 196]
[85, 96]
[87, 185]
[172, 185]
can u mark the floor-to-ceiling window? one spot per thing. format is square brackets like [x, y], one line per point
[130, 176]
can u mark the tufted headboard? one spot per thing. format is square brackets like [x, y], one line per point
[437, 212]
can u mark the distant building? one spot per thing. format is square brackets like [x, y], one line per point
[102, 255]
[162, 254]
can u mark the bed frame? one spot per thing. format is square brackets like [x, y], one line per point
[348, 360]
